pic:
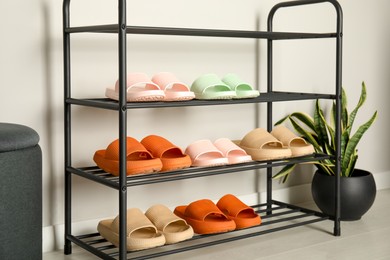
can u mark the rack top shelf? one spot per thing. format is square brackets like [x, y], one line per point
[114, 28]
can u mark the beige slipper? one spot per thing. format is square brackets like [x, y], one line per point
[261, 145]
[141, 233]
[298, 145]
[174, 229]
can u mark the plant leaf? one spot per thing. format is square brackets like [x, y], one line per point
[344, 110]
[354, 140]
[320, 126]
[325, 167]
[351, 166]
[305, 119]
[305, 134]
[285, 171]
[282, 120]
[362, 99]
[344, 141]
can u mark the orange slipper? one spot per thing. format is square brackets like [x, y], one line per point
[243, 215]
[139, 160]
[171, 156]
[205, 217]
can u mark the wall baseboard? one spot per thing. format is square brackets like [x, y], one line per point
[53, 236]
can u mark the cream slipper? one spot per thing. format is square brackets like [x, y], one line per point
[174, 229]
[141, 233]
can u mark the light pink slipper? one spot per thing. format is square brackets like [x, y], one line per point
[174, 89]
[231, 151]
[139, 88]
[203, 153]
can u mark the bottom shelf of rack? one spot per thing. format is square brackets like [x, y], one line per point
[275, 217]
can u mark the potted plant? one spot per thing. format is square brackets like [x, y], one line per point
[358, 188]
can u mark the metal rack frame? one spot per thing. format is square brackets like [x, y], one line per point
[101, 248]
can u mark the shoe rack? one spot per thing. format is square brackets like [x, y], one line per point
[276, 215]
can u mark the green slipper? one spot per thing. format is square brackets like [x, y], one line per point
[242, 89]
[209, 86]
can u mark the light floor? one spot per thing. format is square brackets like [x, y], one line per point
[368, 238]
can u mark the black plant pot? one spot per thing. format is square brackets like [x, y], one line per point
[357, 194]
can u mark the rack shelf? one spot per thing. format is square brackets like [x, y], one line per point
[114, 28]
[264, 97]
[96, 174]
[276, 216]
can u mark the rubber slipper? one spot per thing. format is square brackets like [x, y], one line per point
[139, 160]
[139, 88]
[242, 89]
[298, 145]
[203, 153]
[205, 217]
[173, 228]
[171, 156]
[231, 151]
[209, 86]
[141, 233]
[261, 145]
[174, 89]
[243, 215]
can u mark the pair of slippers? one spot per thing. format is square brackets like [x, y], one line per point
[280, 143]
[204, 153]
[228, 214]
[164, 86]
[157, 227]
[154, 153]
[210, 86]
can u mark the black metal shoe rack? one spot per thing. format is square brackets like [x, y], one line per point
[276, 215]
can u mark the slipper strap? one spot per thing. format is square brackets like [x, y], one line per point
[132, 145]
[204, 82]
[226, 146]
[236, 83]
[259, 137]
[136, 220]
[134, 79]
[232, 206]
[158, 145]
[201, 209]
[201, 147]
[286, 136]
[168, 81]
[162, 217]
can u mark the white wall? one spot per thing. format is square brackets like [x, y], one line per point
[32, 89]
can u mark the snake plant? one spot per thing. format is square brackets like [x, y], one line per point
[321, 134]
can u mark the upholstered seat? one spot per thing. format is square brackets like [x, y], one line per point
[20, 193]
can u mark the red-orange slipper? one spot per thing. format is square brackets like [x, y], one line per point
[205, 217]
[139, 160]
[243, 215]
[171, 156]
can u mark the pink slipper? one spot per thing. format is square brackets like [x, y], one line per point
[174, 89]
[231, 151]
[139, 88]
[203, 153]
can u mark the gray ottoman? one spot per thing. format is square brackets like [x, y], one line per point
[20, 193]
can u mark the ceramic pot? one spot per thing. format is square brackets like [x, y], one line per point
[357, 194]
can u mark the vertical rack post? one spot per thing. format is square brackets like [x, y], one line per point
[339, 51]
[338, 93]
[67, 128]
[269, 110]
[122, 59]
